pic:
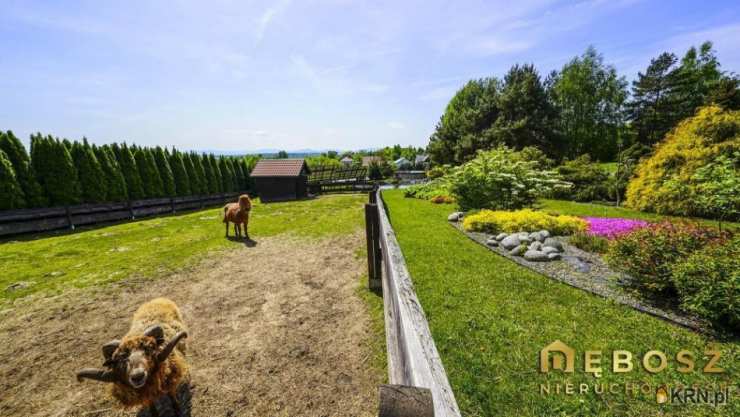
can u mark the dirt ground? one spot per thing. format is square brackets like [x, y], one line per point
[275, 330]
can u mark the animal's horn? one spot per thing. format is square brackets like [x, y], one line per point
[156, 332]
[109, 348]
[101, 375]
[167, 349]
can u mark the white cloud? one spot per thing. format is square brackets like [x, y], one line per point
[266, 18]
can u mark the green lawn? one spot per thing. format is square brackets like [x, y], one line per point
[600, 210]
[151, 247]
[490, 318]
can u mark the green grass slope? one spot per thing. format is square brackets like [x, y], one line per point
[490, 318]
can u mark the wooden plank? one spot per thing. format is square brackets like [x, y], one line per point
[413, 359]
[30, 214]
[33, 226]
[371, 277]
[404, 401]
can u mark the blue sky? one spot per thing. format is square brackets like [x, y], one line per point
[245, 75]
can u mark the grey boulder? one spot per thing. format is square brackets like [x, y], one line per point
[536, 256]
[501, 236]
[553, 243]
[535, 245]
[518, 251]
[553, 256]
[549, 249]
[492, 242]
[456, 216]
[510, 242]
[544, 233]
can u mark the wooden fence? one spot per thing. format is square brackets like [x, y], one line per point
[15, 222]
[338, 179]
[414, 367]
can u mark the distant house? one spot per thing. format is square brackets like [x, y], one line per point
[402, 163]
[421, 161]
[347, 161]
[281, 179]
[367, 160]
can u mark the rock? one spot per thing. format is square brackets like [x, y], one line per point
[549, 249]
[18, 286]
[553, 256]
[553, 243]
[456, 216]
[544, 233]
[535, 256]
[535, 245]
[501, 236]
[492, 242]
[518, 251]
[510, 242]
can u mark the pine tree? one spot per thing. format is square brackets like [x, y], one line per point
[18, 156]
[130, 172]
[238, 174]
[180, 174]
[92, 178]
[165, 172]
[227, 175]
[11, 195]
[247, 169]
[150, 179]
[114, 181]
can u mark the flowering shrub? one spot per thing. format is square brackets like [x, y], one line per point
[522, 220]
[501, 179]
[648, 253]
[611, 228]
[708, 283]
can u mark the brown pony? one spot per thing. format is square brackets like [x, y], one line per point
[238, 213]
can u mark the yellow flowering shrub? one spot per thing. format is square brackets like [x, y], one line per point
[526, 220]
[668, 182]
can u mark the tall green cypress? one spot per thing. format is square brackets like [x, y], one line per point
[227, 175]
[18, 156]
[212, 185]
[194, 183]
[217, 177]
[130, 172]
[56, 171]
[165, 172]
[238, 174]
[92, 178]
[150, 179]
[180, 174]
[115, 184]
[247, 169]
[11, 194]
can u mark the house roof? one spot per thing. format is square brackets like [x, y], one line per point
[367, 160]
[279, 168]
[421, 158]
[346, 159]
[401, 160]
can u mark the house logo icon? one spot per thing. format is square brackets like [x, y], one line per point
[559, 352]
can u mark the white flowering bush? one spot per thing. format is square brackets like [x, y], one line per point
[501, 179]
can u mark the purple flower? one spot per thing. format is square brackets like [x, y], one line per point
[611, 227]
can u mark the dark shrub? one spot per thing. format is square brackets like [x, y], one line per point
[648, 254]
[590, 182]
[708, 283]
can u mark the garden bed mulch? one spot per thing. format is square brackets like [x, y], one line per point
[587, 271]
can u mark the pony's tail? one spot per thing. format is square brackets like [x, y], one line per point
[226, 210]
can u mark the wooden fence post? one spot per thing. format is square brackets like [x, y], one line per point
[69, 218]
[373, 249]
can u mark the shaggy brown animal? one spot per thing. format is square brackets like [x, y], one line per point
[141, 366]
[238, 213]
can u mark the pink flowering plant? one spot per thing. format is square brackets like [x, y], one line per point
[611, 228]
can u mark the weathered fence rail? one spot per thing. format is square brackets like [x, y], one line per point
[413, 360]
[16, 222]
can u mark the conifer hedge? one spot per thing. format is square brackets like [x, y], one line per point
[63, 172]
